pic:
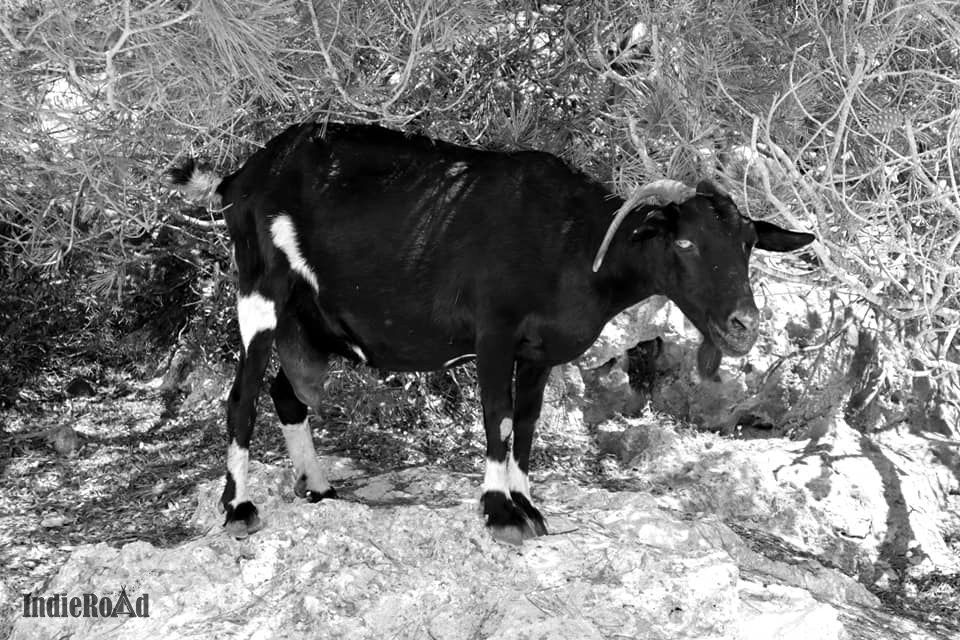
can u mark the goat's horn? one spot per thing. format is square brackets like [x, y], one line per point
[665, 190]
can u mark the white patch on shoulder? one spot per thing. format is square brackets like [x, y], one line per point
[285, 239]
[304, 456]
[255, 313]
[237, 461]
[452, 362]
[506, 428]
[495, 477]
[517, 480]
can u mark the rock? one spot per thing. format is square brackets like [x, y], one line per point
[563, 401]
[64, 440]
[206, 384]
[53, 521]
[632, 439]
[775, 612]
[609, 438]
[608, 392]
[406, 556]
[853, 500]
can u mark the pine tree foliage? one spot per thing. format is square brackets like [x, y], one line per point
[840, 117]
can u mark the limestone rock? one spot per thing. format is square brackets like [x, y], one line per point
[405, 555]
[853, 499]
[630, 440]
[774, 612]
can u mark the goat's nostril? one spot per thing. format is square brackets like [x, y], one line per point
[743, 321]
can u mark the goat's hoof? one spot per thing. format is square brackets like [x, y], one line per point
[242, 520]
[532, 514]
[312, 495]
[317, 496]
[509, 521]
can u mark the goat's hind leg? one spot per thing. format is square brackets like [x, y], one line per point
[257, 318]
[298, 385]
[311, 481]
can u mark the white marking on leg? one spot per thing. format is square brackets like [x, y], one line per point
[237, 461]
[458, 360]
[506, 428]
[255, 313]
[517, 480]
[495, 477]
[357, 350]
[285, 239]
[304, 456]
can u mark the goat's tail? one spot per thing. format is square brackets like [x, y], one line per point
[197, 183]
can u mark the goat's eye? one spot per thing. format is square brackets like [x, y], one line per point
[683, 243]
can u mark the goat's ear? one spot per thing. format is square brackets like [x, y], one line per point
[770, 237]
[657, 221]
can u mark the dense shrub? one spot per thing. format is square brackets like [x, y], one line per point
[840, 117]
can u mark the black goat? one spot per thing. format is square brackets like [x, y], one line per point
[412, 254]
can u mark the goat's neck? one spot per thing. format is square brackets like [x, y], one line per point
[628, 274]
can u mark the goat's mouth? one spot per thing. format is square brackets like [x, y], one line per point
[718, 343]
[730, 343]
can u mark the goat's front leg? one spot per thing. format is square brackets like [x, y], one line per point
[531, 381]
[495, 365]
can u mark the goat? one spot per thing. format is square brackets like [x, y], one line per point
[412, 254]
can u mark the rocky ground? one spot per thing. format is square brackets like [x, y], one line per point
[405, 555]
[809, 492]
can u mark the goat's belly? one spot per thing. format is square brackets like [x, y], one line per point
[414, 352]
[547, 342]
[411, 346]
[421, 362]
[383, 333]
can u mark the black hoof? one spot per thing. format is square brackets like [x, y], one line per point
[508, 522]
[242, 520]
[303, 491]
[531, 512]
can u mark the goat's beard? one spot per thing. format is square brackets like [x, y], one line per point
[708, 358]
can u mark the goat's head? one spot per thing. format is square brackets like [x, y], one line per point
[702, 248]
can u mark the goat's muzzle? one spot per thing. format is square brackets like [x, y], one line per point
[736, 335]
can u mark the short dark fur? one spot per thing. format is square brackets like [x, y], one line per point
[425, 251]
